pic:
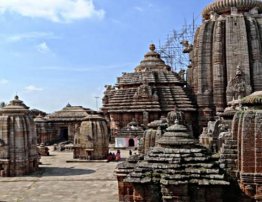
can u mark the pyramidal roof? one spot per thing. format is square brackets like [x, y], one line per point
[152, 87]
[178, 160]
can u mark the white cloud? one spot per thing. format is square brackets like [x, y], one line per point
[4, 81]
[30, 35]
[139, 9]
[43, 48]
[33, 88]
[54, 10]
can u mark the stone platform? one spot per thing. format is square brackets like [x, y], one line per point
[60, 181]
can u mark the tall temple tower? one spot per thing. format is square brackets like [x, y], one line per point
[227, 55]
[18, 151]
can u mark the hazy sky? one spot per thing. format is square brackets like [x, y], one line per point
[59, 51]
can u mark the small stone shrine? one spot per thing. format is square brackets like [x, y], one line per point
[18, 146]
[153, 133]
[242, 151]
[129, 136]
[178, 169]
[91, 141]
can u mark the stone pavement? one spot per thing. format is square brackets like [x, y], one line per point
[65, 182]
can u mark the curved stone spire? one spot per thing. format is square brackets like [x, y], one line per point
[224, 6]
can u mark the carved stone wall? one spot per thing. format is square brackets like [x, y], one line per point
[226, 42]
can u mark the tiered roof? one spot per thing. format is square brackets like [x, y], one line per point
[152, 87]
[70, 113]
[178, 160]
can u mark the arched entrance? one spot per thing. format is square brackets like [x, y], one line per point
[64, 133]
[131, 142]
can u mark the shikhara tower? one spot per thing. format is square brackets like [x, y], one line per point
[227, 55]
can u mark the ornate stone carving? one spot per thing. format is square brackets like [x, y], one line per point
[175, 115]
[238, 87]
[144, 91]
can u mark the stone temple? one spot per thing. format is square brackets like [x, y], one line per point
[18, 151]
[92, 138]
[227, 55]
[146, 94]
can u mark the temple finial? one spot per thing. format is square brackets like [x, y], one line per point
[152, 47]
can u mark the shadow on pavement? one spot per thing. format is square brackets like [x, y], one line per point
[56, 171]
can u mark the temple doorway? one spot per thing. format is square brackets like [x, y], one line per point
[131, 142]
[64, 133]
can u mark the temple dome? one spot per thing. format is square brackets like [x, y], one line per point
[224, 6]
[152, 61]
[15, 106]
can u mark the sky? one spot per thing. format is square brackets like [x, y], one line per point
[55, 52]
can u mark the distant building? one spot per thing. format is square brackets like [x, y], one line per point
[60, 125]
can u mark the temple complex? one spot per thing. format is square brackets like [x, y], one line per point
[226, 62]
[199, 135]
[226, 58]
[146, 94]
[18, 146]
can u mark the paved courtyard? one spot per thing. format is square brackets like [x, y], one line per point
[60, 181]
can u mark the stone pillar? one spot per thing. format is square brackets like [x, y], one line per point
[248, 143]
[258, 143]
[219, 69]
[256, 53]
